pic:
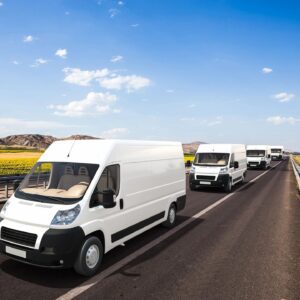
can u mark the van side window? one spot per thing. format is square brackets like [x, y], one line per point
[109, 180]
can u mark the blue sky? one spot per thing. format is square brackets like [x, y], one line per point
[215, 71]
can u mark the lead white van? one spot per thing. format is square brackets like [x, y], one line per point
[258, 156]
[218, 165]
[83, 198]
[277, 152]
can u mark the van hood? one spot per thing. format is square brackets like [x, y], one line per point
[254, 159]
[31, 212]
[200, 170]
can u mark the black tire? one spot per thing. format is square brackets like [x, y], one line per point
[171, 220]
[81, 265]
[193, 187]
[228, 186]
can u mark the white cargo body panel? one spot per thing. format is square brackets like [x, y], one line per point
[110, 189]
[258, 156]
[218, 165]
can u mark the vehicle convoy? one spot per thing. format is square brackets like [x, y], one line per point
[258, 156]
[218, 165]
[83, 198]
[277, 152]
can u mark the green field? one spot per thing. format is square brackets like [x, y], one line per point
[17, 163]
[297, 159]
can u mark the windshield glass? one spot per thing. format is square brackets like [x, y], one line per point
[211, 159]
[276, 150]
[57, 182]
[260, 153]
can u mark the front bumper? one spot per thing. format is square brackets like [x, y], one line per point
[221, 181]
[257, 164]
[276, 157]
[58, 249]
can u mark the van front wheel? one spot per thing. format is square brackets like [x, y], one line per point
[90, 257]
[228, 186]
[170, 222]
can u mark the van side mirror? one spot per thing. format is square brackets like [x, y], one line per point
[269, 155]
[108, 199]
[236, 164]
[188, 163]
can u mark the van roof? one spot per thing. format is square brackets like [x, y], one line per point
[258, 147]
[226, 148]
[93, 151]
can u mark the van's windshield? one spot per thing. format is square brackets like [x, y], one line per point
[255, 153]
[57, 182]
[211, 159]
[276, 150]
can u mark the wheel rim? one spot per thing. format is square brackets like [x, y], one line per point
[92, 256]
[172, 215]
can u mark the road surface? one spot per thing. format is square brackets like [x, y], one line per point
[247, 247]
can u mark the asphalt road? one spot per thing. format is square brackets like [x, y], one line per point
[248, 247]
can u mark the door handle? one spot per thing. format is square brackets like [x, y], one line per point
[121, 204]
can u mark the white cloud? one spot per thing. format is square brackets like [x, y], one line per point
[116, 58]
[120, 3]
[28, 39]
[135, 25]
[205, 122]
[67, 13]
[192, 105]
[284, 97]
[38, 62]
[130, 82]
[105, 79]
[267, 70]
[93, 103]
[114, 133]
[1, 4]
[216, 121]
[278, 120]
[13, 125]
[170, 91]
[83, 78]
[15, 62]
[187, 119]
[62, 53]
[113, 12]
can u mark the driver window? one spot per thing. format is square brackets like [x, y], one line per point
[110, 179]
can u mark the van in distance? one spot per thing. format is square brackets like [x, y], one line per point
[277, 152]
[83, 198]
[218, 165]
[258, 156]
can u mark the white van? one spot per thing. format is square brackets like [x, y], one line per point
[84, 198]
[258, 156]
[218, 165]
[277, 152]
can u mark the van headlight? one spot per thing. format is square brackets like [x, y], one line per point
[66, 217]
[192, 170]
[223, 170]
[4, 208]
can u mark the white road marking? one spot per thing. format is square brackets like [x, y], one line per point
[112, 269]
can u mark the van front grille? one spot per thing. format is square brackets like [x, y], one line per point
[205, 177]
[19, 237]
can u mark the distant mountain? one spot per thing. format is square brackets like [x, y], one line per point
[191, 147]
[37, 140]
[43, 141]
